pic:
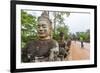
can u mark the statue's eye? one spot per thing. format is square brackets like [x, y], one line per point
[38, 26]
[44, 26]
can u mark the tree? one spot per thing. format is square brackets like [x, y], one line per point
[28, 27]
[59, 25]
[59, 29]
[59, 18]
[85, 35]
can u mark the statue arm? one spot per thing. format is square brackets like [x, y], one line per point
[29, 51]
[54, 52]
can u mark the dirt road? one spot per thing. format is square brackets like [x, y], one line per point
[78, 53]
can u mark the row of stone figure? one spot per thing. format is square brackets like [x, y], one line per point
[46, 50]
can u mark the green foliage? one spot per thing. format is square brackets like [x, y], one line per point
[28, 27]
[73, 36]
[59, 29]
[59, 24]
[83, 36]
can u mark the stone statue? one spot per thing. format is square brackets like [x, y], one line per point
[44, 48]
[63, 47]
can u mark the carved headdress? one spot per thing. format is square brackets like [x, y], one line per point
[44, 17]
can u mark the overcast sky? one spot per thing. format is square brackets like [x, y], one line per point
[77, 22]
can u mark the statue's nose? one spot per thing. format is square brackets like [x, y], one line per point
[40, 29]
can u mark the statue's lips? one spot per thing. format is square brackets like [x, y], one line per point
[41, 32]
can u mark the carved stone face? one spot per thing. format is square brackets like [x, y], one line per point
[43, 29]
